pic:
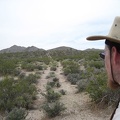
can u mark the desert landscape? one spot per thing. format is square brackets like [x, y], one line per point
[79, 105]
[59, 84]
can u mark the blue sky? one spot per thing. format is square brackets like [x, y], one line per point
[52, 23]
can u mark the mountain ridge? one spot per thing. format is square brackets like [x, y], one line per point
[15, 49]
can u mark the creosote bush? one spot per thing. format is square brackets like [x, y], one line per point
[14, 93]
[7, 66]
[98, 90]
[53, 68]
[17, 114]
[50, 75]
[52, 96]
[54, 109]
[82, 85]
[70, 67]
[63, 92]
[31, 78]
[54, 83]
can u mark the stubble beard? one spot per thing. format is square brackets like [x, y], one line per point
[111, 84]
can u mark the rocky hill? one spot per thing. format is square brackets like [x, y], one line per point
[15, 49]
[63, 50]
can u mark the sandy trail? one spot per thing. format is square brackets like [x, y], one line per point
[78, 106]
[38, 114]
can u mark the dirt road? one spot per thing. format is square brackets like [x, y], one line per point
[79, 106]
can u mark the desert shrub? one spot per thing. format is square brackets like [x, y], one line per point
[63, 92]
[55, 79]
[38, 75]
[53, 109]
[51, 74]
[16, 72]
[48, 87]
[97, 87]
[96, 64]
[53, 68]
[99, 92]
[7, 66]
[30, 67]
[17, 114]
[82, 84]
[58, 84]
[111, 97]
[66, 71]
[52, 84]
[23, 64]
[44, 67]
[52, 96]
[6, 94]
[70, 67]
[31, 78]
[46, 60]
[39, 67]
[73, 78]
[22, 75]
[16, 94]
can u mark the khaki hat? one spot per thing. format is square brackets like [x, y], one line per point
[114, 33]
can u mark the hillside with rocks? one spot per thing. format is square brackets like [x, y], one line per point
[15, 49]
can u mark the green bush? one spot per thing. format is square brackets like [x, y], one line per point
[55, 79]
[31, 78]
[73, 78]
[39, 67]
[63, 92]
[16, 94]
[51, 75]
[52, 84]
[22, 75]
[52, 96]
[54, 109]
[58, 84]
[82, 84]
[97, 87]
[17, 114]
[96, 64]
[70, 67]
[30, 67]
[66, 70]
[16, 72]
[7, 66]
[53, 68]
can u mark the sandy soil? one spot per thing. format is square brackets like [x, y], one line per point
[79, 106]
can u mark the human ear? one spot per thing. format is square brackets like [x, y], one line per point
[115, 56]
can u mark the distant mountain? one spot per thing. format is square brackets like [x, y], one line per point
[15, 48]
[58, 51]
[32, 49]
[62, 48]
[62, 51]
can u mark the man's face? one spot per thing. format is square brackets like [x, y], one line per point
[108, 63]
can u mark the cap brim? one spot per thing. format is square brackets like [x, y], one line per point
[94, 38]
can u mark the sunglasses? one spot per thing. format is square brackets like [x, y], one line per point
[102, 55]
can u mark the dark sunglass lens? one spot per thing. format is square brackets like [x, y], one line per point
[102, 55]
